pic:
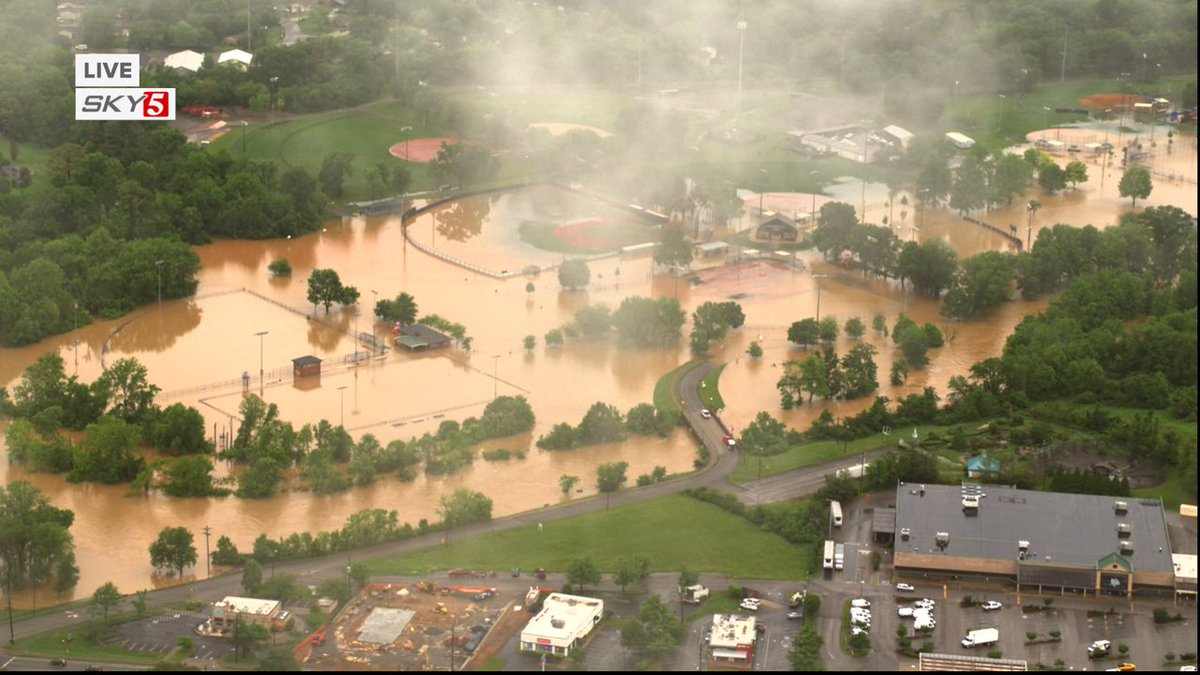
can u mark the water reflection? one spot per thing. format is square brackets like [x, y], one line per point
[462, 219]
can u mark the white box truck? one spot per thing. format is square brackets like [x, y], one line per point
[694, 594]
[827, 559]
[839, 556]
[980, 637]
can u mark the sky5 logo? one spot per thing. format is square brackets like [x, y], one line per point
[124, 103]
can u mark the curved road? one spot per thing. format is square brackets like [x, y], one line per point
[312, 571]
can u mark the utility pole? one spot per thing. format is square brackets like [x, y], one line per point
[158, 266]
[819, 277]
[261, 372]
[207, 556]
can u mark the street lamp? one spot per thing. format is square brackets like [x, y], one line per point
[274, 84]
[495, 370]
[374, 307]
[342, 423]
[244, 125]
[261, 372]
[760, 195]
[402, 130]
[812, 209]
[76, 330]
[158, 267]
[1032, 207]
[741, 26]
[819, 277]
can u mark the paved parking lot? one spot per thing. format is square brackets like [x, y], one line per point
[160, 634]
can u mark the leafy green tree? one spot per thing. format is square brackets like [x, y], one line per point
[582, 571]
[139, 603]
[128, 391]
[804, 332]
[593, 321]
[191, 477]
[879, 325]
[1010, 177]
[177, 430]
[402, 310]
[107, 453]
[673, 250]
[609, 478]
[1135, 183]
[227, 554]
[567, 483]
[1076, 173]
[805, 654]
[983, 285]
[252, 577]
[855, 328]
[335, 167]
[554, 338]
[970, 189]
[464, 507]
[35, 539]
[755, 350]
[828, 329]
[1052, 178]
[647, 322]
[655, 632]
[280, 268]
[248, 635]
[834, 225]
[602, 423]
[858, 366]
[278, 659]
[529, 342]
[105, 598]
[930, 266]
[712, 320]
[915, 345]
[573, 274]
[173, 549]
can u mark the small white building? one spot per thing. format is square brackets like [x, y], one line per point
[232, 609]
[236, 57]
[186, 59]
[561, 625]
[961, 141]
[898, 134]
[732, 639]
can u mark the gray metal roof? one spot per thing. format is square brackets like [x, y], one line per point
[1060, 528]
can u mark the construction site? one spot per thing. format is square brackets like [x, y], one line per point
[419, 626]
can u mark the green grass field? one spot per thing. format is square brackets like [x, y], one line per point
[710, 391]
[672, 532]
[666, 390]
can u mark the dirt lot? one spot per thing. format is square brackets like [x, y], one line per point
[424, 642]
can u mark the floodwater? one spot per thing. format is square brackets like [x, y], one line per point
[198, 349]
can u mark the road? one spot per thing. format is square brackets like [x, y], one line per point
[314, 570]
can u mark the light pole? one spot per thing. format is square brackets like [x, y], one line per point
[342, 423]
[403, 130]
[1000, 116]
[741, 26]
[1045, 117]
[495, 370]
[261, 372]
[244, 125]
[819, 277]
[1032, 207]
[812, 209]
[274, 84]
[76, 330]
[158, 267]
[760, 195]
[374, 306]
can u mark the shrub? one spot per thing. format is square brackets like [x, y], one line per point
[1123, 648]
[967, 601]
[995, 654]
[1170, 656]
[1030, 636]
[1161, 615]
[1056, 634]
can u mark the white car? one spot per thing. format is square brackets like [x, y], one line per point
[904, 611]
[924, 603]
[991, 605]
[905, 588]
[860, 602]
[858, 630]
[750, 604]
[705, 413]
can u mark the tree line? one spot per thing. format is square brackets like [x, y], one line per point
[603, 423]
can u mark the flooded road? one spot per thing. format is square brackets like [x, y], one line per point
[197, 350]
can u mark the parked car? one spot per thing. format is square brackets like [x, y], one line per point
[859, 630]
[750, 604]
[705, 413]
[924, 603]
[905, 588]
[795, 616]
[991, 605]
[58, 662]
[860, 602]
[904, 611]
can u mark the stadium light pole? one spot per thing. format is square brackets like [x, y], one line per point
[261, 372]
[274, 85]
[741, 26]
[406, 131]
[819, 277]
[342, 423]
[158, 267]
[374, 307]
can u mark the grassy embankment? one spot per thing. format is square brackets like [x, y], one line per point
[701, 536]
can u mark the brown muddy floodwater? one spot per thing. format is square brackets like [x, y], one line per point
[197, 349]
